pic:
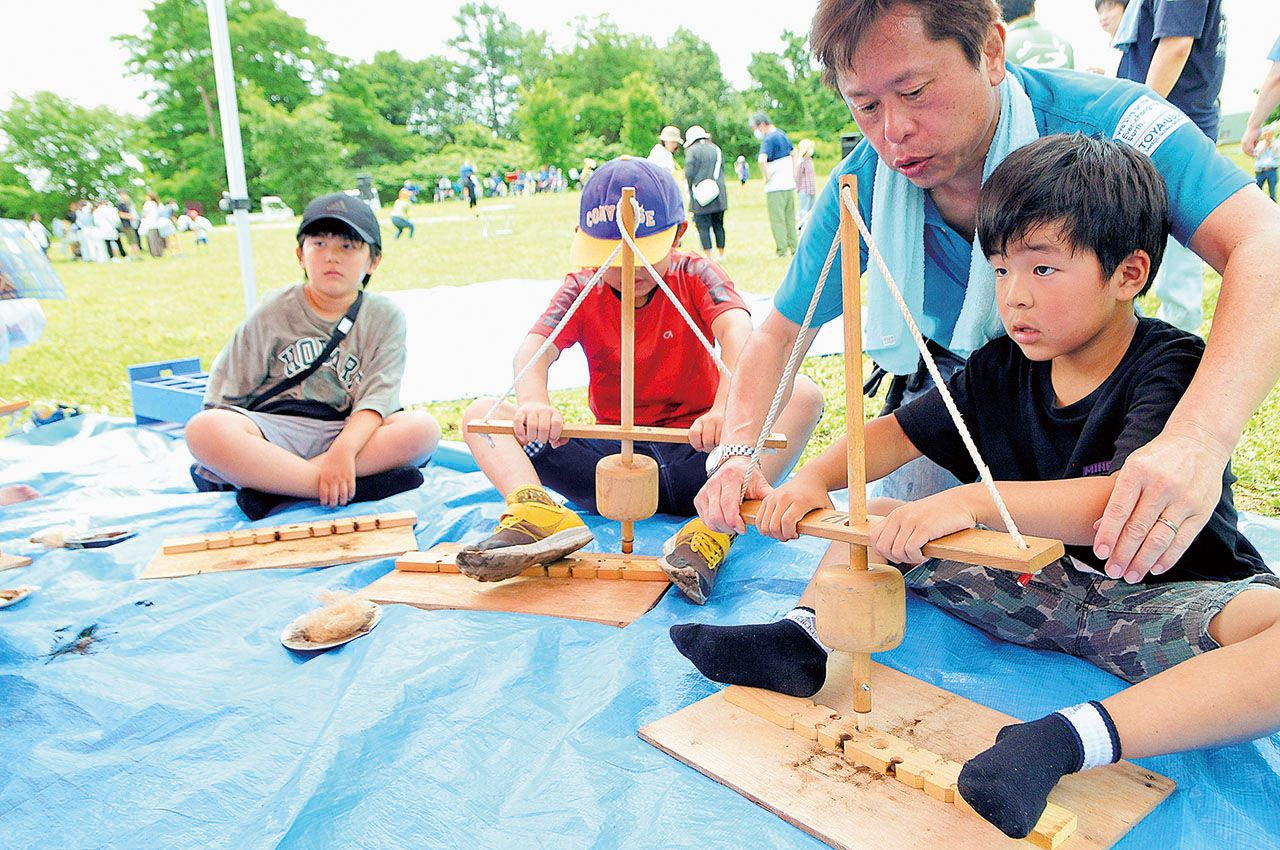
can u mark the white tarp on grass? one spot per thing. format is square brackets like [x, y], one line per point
[462, 339]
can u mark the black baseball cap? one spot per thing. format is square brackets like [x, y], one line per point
[352, 212]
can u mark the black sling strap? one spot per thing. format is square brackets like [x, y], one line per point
[340, 332]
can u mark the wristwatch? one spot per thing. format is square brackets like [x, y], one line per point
[717, 456]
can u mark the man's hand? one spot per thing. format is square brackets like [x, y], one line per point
[902, 535]
[719, 502]
[337, 477]
[1249, 141]
[1163, 496]
[704, 433]
[784, 507]
[539, 422]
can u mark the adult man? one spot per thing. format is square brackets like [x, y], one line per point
[1178, 48]
[926, 81]
[778, 166]
[1268, 100]
[1029, 42]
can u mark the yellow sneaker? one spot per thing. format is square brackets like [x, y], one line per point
[691, 557]
[534, 529]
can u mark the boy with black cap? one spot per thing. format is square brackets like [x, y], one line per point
[677, 385]
[304, 401]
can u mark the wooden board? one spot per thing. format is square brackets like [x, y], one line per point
[640, 433]
[852, 806]
[972, 546]
[9, 562]
[323, 551]
[443, 558]
[595, 600]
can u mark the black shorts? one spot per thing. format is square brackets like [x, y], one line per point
[571, 471]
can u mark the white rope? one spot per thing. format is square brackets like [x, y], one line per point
[775, 408]
[662, 284]
[542, 349]
[985, 473]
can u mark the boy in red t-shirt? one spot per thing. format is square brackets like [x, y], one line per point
[677, 385]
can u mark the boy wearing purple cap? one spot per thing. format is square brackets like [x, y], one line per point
[304, 401]
[677, 385]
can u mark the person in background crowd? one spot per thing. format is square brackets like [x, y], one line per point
[1266, 155]
[776, 162]
[400, 214]
[40, 234]
[128, 218]
[59, 226]
[1109, 14]
[806, 180]
[1029, 43]
[740, 166]
[165, 226]
[107, 220]
[1179, 49]
[1268, 100]
[708, 198]
[663, 153]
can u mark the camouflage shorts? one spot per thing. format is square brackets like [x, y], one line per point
[1132, 630]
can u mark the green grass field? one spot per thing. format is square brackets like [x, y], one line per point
[186, 305]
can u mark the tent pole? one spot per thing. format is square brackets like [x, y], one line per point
[229, 112]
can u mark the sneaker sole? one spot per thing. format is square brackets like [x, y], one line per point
[685, 578]
[509, 561]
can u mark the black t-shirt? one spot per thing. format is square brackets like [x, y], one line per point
[1008, 403]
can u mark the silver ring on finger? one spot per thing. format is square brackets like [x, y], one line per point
[1173, 526]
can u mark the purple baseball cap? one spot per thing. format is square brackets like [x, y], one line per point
[599, 231]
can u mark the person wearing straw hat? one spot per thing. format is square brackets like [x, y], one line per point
[663, 153]
[677, 385]
[704, 172]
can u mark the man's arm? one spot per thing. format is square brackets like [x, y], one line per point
[1178, 475]
[1167, 63]
[1268, 100]
[756, 376]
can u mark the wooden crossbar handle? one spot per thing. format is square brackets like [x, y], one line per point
[644, 433]
[971, 546]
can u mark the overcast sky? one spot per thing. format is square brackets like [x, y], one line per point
[67, 48]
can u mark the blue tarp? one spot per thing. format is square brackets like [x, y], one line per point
[187, 724]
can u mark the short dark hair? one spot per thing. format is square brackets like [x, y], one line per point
[1104, 196]
[338, 230]
[839, 25]
[1011, 10]
[1098, 4]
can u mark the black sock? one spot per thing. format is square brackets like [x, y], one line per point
[380, 485]
[1009, 783]
[779, 656]
[256, 504]
[369, 488]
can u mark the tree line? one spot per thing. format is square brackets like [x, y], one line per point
[502, 98]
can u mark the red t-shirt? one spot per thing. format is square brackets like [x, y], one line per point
[675, 378]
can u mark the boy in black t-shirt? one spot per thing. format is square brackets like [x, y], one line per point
[1075, 228]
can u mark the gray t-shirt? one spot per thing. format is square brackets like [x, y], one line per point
[284, 335]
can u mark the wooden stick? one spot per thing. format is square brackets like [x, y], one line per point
[627, 220]
[851, 280]
[593, 431]
[972, 546]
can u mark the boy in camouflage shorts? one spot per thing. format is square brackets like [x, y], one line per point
[1075, 228]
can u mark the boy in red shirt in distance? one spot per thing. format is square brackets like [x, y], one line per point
[677, 385]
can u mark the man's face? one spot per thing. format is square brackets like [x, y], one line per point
[1109, 18]
[927, 111]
